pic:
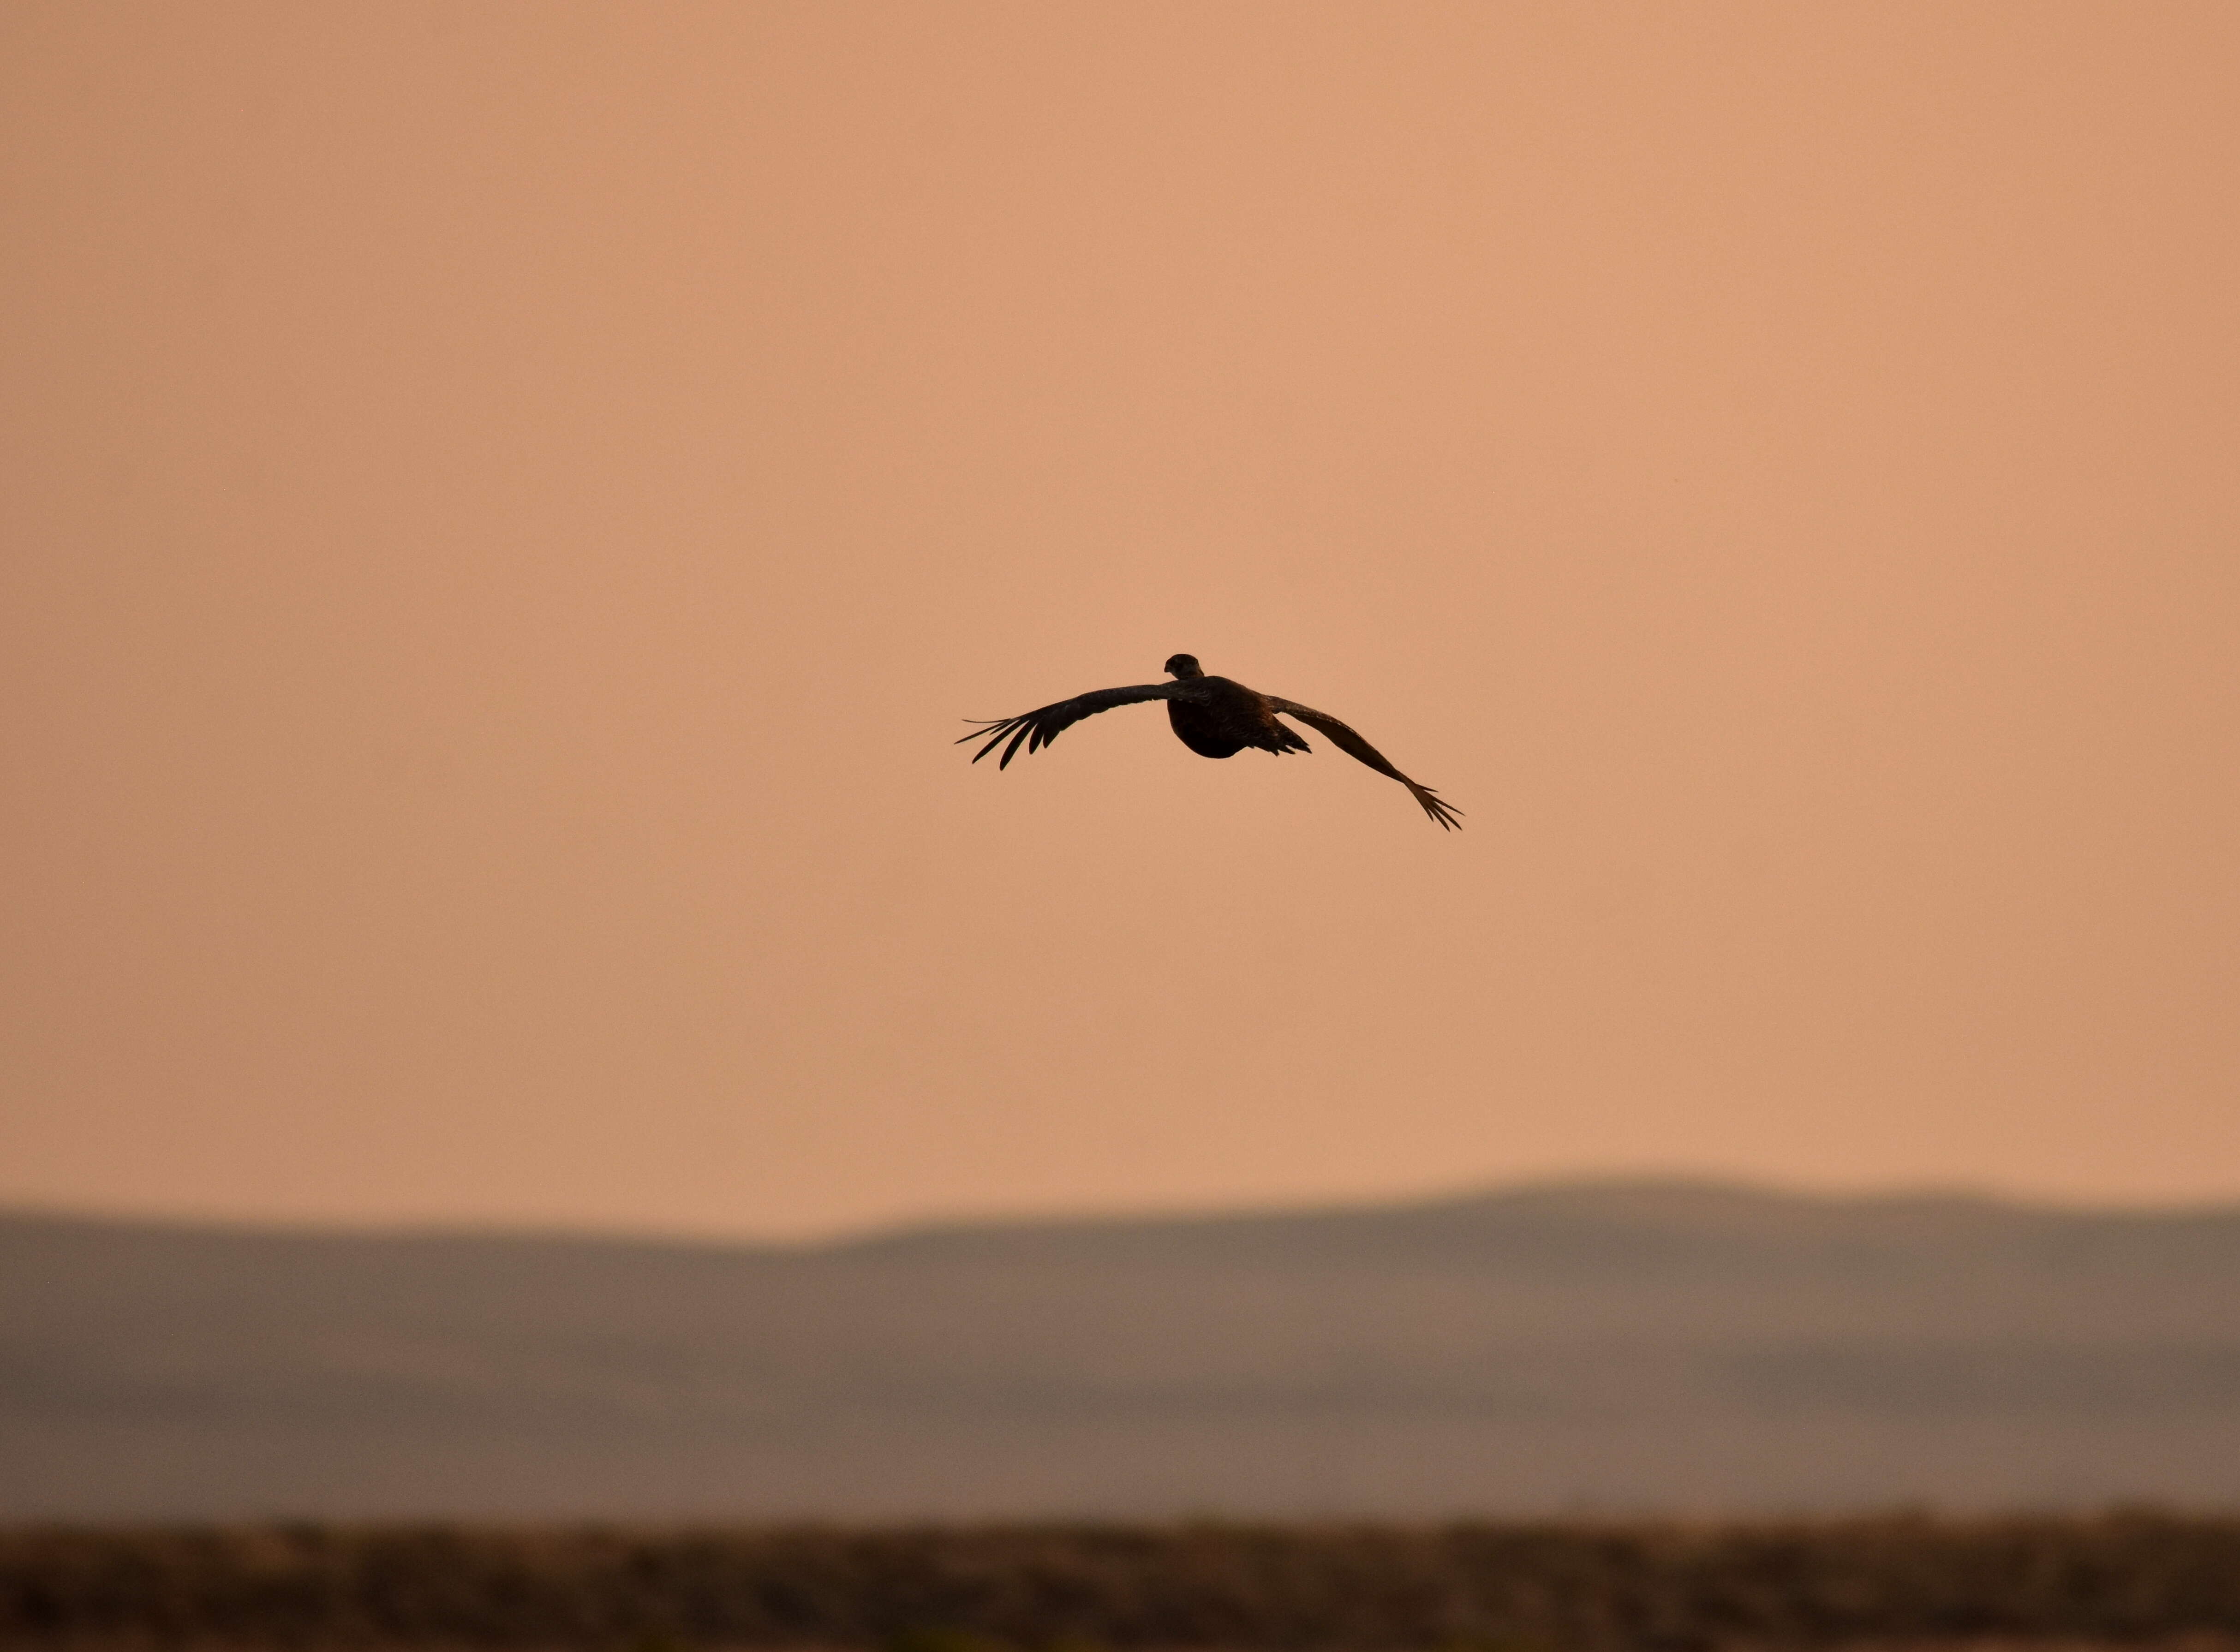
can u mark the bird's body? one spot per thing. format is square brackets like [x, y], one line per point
[1221, 718]
[1213, 716]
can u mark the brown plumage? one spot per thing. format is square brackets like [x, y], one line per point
[1212, 716]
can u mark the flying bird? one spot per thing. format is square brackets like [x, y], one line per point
[1212, 716]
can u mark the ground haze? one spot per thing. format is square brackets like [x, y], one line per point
[1613, 1347]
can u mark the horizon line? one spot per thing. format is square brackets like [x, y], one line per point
[966, 1222]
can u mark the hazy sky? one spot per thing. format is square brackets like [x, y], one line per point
[505, 507]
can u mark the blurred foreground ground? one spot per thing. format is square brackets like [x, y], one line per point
[2132, 1580]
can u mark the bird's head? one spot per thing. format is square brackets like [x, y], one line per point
[1183, 665]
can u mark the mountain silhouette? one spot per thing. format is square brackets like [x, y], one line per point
[1610, 1348]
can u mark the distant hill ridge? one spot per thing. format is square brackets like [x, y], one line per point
[1617, 1346]
[1662, 1209]
[1663, 1204]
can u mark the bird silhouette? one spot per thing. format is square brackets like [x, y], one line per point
[1212, 716]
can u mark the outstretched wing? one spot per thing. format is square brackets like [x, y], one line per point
[1036, 729]
[1354, 746]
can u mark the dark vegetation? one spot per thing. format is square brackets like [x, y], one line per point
[2128, 1578]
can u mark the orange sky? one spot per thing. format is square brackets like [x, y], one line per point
[505, 506]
